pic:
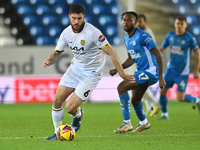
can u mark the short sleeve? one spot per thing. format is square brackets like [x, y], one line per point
[193, 44]
[147, 41]
[99, 39]
[165, 43]
[62, 42]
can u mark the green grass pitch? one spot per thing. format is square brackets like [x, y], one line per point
[25, 127]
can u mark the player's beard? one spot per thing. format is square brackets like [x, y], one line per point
[130, 29]
[80, 28]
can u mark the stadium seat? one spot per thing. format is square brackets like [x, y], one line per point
[49, 20]
[88, 2]
[36, 31]
[45, 40]
[54, 31]
[70, 2]
[42, 10]
[54, 2]
[30, 20]
[196, 30]
[105, 20]
[60, 9]
[108, 2]
[198, 9]
[24, 9]
[191, 19]
[114, 40]
[110, 31]
[64, 21]
[183, 9]
[113, 10]
[16, 2]
[37, 2]
[98, 10]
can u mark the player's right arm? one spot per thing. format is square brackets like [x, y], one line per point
[52, 58]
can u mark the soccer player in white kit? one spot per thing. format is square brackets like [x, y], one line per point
[89, 48]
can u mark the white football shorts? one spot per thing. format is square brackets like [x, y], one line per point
[83, 82]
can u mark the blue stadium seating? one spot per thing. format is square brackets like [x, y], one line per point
[45, 40]
[60, 9]
[64, 19]
[37, 31]
[24, 9]
[47, 18]
[54, 2]
[42, 9]
[15, 2]
[54, 31]
[30, 20]
[37, 2]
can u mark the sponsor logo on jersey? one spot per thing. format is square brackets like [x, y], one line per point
[133, 54]
[176, 50]
[101, 38]
[82, 42]
[183, 42]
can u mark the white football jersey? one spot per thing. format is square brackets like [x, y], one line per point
[86, 47]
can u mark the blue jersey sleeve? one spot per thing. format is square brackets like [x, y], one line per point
[147, 41]
[193, 44]
[165, 43]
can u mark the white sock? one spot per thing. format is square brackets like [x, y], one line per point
[78, 113]
[57, 117]
[148, 105]
[197, 100]
[164, 114]
[127, 121]
[144, 122]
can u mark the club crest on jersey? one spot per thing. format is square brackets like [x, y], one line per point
[101, 38]
[134, 42]
[183, 42]
[82, 42]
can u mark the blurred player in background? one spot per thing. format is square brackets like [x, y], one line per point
[181, 43]
[89, 48]
[149, 100]
[141, 50]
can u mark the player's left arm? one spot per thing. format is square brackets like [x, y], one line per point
[115, 59]
[197, 62]
[159, 59]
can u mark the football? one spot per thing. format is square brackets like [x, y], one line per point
[65, 132]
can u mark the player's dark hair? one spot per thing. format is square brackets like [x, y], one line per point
[142, 16]
[181, 18]
[76, 9]
[129, 12]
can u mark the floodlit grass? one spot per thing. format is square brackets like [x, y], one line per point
[25, 127]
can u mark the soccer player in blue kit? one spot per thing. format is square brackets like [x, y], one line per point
[181, 43]
[141, 50]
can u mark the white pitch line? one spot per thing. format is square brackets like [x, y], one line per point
[131, 135]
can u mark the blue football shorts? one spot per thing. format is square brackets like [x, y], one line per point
[144, 76]
[172, 78]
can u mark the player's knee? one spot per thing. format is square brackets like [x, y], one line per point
[121, 90]
[57, 102]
